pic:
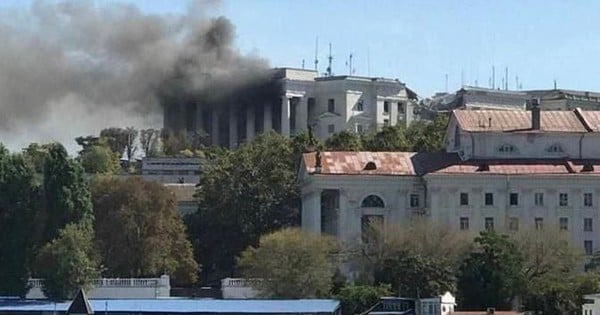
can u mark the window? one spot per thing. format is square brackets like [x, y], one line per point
[514, 199]
[538, 199]
[372, 201]
[587, 199]
[386, 107]
[331, 128]
[563, 199]
[359, 128]
[489, 199]
[464, 223]
[489, 223]
[563, 224]
[555, 148]
[386, 122]
[539, 223]
[588, 247]
[587, 225]
[360, 106]
[331, 105]
[513, 224]
[400, 108]
[456, 137]
[414, 200]
[507, 148]
[371, 226]
[464, 199]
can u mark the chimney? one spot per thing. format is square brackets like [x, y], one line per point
[535, 114]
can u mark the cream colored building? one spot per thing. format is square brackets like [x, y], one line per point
[300, 98]
[506, 170]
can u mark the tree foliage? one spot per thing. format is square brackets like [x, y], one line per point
[116, 138]
[242, 195]
[291, 264]
[139, 232]
[344, 141]
[99, 159]
[491, 275]
[149, 141]
[357, 299]
[67, 262]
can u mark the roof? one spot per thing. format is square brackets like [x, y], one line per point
[419, 164]
[591, 119]
[355, 163]
[173, 305]
[80, 304]
[519, 121]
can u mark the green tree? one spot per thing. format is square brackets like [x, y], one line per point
[99, 159]
[139, 232]
[19, 194]
[291, 264]
[344, 141]
[117, 139]
[390, 138]
[67, 263]
[149, 140]
[242, 195]
[427, 136]
[357, 299]
[491, 275]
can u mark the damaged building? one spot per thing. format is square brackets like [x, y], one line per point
[289, 101]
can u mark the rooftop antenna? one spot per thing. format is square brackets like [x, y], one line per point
[462, 78]
[330, 59]
[555, 84]
[302, 64]
[446, 83]
[476, 83]
[351, 71]
[516, 82]
[506, 78]
[317, 55]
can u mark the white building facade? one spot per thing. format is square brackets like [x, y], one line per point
[303, 99]
[511, 174]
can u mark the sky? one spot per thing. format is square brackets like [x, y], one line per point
[419, 42]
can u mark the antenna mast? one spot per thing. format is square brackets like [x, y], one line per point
[317, 55]
[330, 58]
[350, 70]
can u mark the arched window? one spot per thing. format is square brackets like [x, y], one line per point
[370, 166]
[507, 148]
[555, 148]
[372, 201]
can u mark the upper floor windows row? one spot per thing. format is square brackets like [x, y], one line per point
[510, 149]
[514, 199]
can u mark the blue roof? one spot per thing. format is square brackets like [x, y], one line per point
[175, 305]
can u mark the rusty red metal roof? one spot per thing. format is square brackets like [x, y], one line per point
[418, 164]
[591, 119]
[518, 121]
[385, 163]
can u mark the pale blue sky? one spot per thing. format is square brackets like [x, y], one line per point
[422, 40]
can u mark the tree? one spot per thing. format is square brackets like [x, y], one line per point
[139, 232]
[357, 299]
[390, 138]
[427, 136]
[117, 139]
[175, 142]
[344, 141]
[291, 264]
[67, 263]
[149, 142]
[99, 159]
[19, 194]
[242, 195]
[88, 141]
[491, 275]
[130, 146]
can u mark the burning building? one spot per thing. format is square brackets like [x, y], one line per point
[289, 101]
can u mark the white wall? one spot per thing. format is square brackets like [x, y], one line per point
[138, 288]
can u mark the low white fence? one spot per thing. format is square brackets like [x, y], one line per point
[239, 288]
[111, 288]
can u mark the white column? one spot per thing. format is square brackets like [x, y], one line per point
[268, 118]
[311, 212]
[301, 115]
[250, 123]
[233, 130]
[285, 116]
[393, 113]
[342, 214]
[214, 133]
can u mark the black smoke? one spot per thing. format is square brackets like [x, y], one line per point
[70, 68]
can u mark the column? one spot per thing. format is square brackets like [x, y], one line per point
[301, 115]
[311, 212]
[393, 113]
[285, 116]
[233, 132]
[250, 123]
[214, 132]
[268, 118]
[342, 233]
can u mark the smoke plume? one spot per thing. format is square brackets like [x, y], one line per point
[71, 68]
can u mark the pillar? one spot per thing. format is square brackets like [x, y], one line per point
[214, 132]
[268, 118]
[301, 115]
[311, 212]
[233, 132]
[285, 116]
[393, 113]
[342, 215]
[250, 123]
